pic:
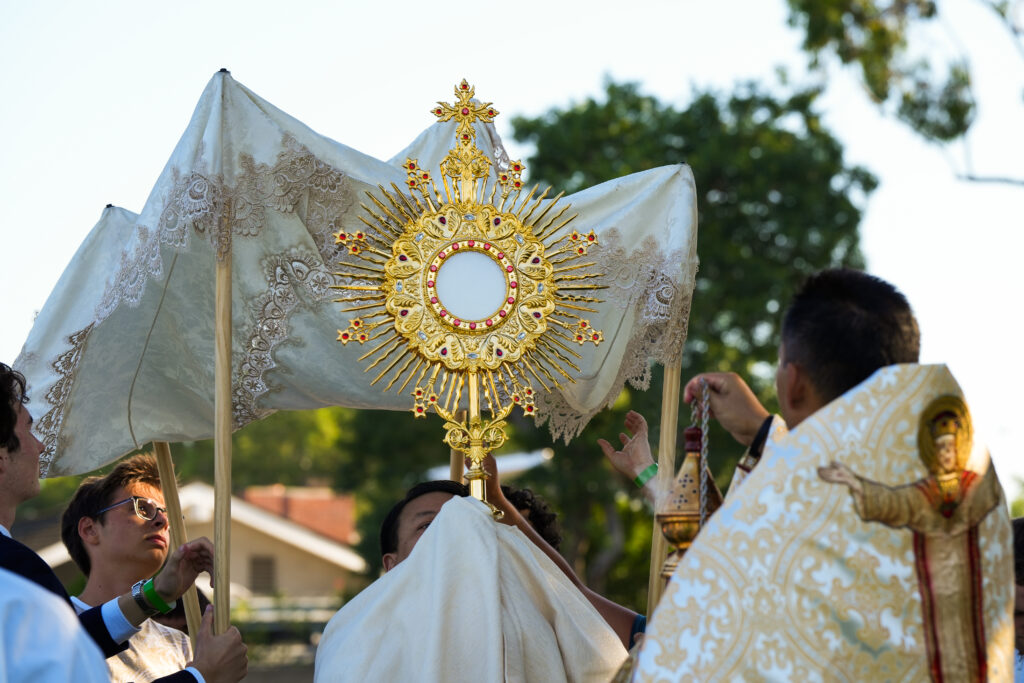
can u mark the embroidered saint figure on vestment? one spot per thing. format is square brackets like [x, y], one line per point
[943, 511]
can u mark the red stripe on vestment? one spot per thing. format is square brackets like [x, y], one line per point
[924, 584]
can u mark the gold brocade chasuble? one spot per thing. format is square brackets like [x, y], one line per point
[904, 573]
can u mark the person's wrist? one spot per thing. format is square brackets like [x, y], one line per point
[139, 597]
[156, 599]
[646, 475]
[753, 426]
[638, 467]
[165, 592]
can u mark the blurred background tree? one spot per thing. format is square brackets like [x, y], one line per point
[909, 60]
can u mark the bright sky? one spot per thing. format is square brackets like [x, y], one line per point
[96, 99]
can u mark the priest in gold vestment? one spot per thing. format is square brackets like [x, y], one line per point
[791, 579]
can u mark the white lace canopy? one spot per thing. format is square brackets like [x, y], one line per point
[122, 352]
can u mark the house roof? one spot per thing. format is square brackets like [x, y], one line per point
[197, 506]
[315, 507]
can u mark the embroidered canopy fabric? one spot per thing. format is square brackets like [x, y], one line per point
[474, 601]
[793, 578]
[122, 352]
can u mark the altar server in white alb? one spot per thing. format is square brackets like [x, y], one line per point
[41, 640]
[869, 540]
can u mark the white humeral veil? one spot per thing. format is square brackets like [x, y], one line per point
[474, 601]
[786, 582]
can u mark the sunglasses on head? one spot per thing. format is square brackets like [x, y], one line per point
[145, 508]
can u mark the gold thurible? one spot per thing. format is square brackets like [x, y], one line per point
[680, 514]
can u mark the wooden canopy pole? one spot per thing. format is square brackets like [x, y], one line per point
[456, 466]
[666, 472]
[176, 525]
[222, 448]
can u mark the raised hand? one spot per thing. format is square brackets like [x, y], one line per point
[182, 568]
[635, 455]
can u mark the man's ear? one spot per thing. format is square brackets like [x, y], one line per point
[88, 530]
[798, 393]
[793, 380]
[389, 560]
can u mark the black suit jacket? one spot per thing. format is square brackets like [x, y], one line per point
[22, 560]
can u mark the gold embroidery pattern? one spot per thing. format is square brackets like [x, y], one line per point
[942, 511]
[129, 283]
[50, 424]
[786, 582]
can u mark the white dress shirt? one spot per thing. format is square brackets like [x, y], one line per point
[41, 641]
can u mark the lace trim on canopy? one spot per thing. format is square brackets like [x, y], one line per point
[297, 182]
[291, 277]
[49, 425]
[636, 279]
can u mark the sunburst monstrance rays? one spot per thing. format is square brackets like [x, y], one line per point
[478, 278]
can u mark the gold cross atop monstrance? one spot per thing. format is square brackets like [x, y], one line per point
[460, 291]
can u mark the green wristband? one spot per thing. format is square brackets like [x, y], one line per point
[646, 475]
[153, 598]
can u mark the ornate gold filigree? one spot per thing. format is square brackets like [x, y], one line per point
[413, 232]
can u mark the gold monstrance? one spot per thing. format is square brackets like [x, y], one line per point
[459, 291]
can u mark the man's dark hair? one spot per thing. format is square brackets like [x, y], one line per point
[389, 528]
[96, 493]
[843, 325]
[1018, 550]
[12, 394]
[540, 515]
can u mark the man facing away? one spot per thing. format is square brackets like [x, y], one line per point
[840, 328]
[111, 624]
[115, 529]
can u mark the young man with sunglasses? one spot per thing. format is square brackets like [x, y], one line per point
[115, 529]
